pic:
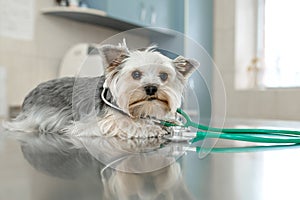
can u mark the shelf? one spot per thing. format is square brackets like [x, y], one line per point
[91, 16]
[99, 18]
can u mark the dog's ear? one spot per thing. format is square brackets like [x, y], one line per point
[112, 55]
[185, 66]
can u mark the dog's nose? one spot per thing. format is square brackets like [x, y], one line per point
[150, 89]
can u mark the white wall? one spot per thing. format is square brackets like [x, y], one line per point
[3, 103]
[271, 103]
[30, 62]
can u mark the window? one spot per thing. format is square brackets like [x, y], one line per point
[279, 42]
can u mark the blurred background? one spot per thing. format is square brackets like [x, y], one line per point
[252, 42]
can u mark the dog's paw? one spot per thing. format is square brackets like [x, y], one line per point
[146, 131]
[155, 131]
[126, 128]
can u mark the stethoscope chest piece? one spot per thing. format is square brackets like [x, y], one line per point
[176, 134]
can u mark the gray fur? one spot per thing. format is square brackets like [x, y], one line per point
[55, 104]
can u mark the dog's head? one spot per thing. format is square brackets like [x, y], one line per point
[145, 82]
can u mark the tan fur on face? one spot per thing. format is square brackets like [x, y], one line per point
[130, 95]
[141, 105]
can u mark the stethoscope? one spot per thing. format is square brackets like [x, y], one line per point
[249, 135]
[178, 133]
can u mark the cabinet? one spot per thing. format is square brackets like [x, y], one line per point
[199, 23]
[124, 15]
[158, 13]
[129, 10]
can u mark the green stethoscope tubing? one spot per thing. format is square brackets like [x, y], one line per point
[249, 135]
[246, 149]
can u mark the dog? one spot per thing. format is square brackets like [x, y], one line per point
[137, 86]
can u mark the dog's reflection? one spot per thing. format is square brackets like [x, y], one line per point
[165, 183]
[127, 172]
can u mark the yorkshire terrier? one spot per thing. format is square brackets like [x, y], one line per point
[138, 86]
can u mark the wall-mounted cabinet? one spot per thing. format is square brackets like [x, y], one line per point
[143, 12]
[124, 15]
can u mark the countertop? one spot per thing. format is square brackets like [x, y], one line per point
[44, 167]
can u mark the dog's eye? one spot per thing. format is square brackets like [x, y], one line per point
[136, 75]
[163, 76]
